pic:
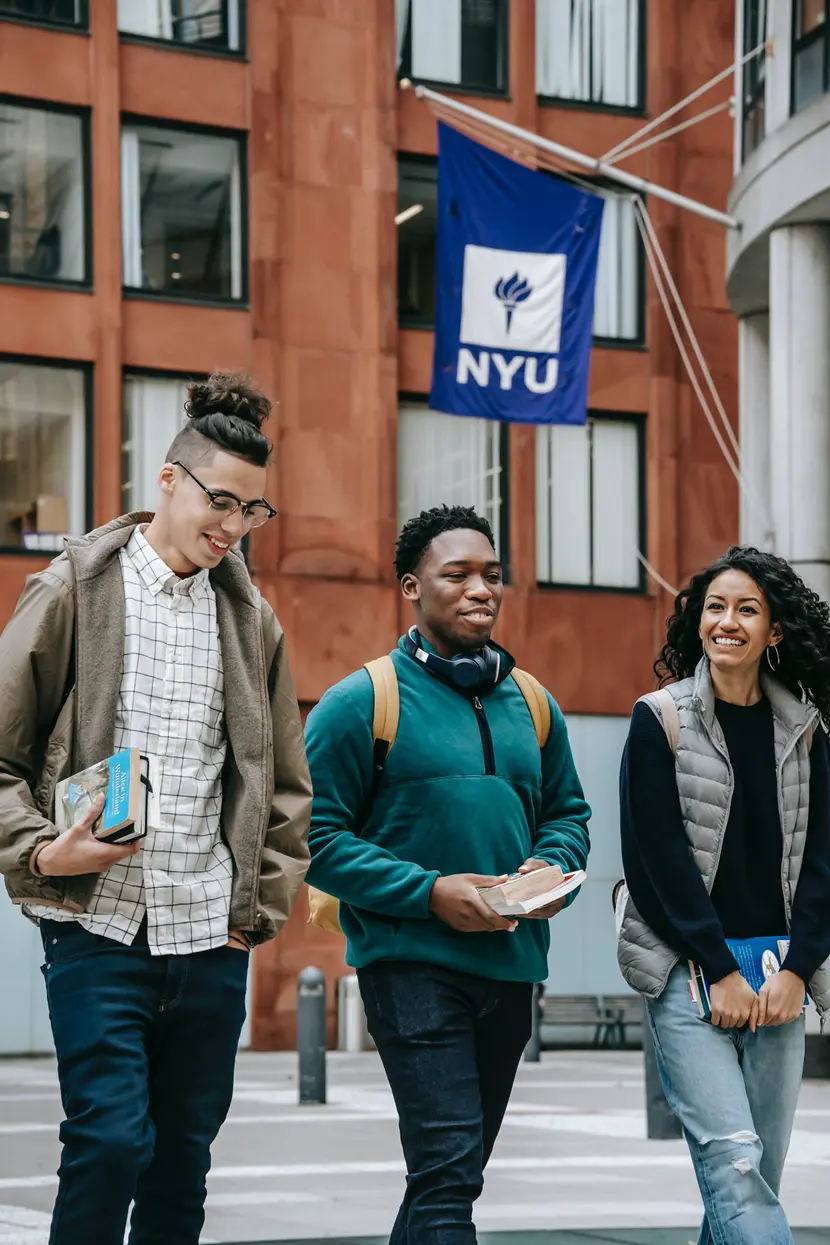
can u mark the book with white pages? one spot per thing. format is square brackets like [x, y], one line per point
[524, 893]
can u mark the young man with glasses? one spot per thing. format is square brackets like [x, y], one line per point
[149, 634]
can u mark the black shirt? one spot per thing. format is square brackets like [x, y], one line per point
[747, 897]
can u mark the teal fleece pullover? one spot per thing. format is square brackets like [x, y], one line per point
[461, 793]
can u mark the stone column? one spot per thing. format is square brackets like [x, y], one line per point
[754, 416]
[799, 332]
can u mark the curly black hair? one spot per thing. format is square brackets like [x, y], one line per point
[229, 410]
[418, 534]
[803, 617]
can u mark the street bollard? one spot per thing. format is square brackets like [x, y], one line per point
[661, 1122]
[533, 1050]
[311, 1035]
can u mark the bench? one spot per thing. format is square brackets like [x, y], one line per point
[607, 1015]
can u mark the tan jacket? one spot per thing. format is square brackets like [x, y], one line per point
[57, 715]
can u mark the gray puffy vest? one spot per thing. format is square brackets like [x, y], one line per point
[705, 783]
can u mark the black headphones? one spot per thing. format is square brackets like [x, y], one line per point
[464, 671]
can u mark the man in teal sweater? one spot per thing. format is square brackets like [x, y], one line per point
[466, 797]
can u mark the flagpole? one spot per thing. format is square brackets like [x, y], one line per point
[597, 167]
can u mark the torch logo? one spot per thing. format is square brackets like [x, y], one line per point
[511, 293]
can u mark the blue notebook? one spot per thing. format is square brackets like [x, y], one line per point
[757, 960]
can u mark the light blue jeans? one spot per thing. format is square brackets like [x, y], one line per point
[735, 1094]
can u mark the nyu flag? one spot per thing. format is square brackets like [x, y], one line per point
[517, 262]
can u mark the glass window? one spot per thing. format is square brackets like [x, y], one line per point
[589, 525]
[618, 297]
[181, 204]
[755, 75]
[455, 42]
[450, 459]
[47, 12]
[43, 455]
[591, 51]
[153, 415]
[42, 194]
[417, 222]
[211, 24]
[810, 69]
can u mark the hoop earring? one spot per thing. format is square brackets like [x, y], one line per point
[773, 648]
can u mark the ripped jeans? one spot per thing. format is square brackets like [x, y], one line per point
[735, 1093]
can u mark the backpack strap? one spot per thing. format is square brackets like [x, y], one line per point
[537, 702]
[387, 702]
[666, 706]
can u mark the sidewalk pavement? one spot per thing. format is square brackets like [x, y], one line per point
[572, 1155]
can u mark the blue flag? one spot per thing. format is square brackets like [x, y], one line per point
[517, 264]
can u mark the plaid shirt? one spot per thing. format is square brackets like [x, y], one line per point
[171, 706]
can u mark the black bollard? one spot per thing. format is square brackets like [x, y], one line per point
[661, 1122]
[533, 1050]
[311, 1035]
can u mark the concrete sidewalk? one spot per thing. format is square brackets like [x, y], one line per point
[572, 1155]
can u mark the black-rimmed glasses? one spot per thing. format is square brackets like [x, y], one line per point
[254, 513]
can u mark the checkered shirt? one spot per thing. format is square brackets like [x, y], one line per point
[171, 705]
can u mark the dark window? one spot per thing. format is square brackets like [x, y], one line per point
[755, 74]
[214, 25]
[43, 194]
[182, 208]
[47, 12]
[460, 43]
[44, 454]
[591, 52]
[810, 55]
[417, 222]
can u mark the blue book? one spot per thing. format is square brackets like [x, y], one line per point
[124, 778]
[757, 960]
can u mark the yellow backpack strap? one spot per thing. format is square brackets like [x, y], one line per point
[666, 707]
[537, 702]
[387, 705]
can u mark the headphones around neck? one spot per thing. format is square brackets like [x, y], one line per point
[465, 671]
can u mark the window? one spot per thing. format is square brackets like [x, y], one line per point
[589, 504]
[591, 51]
[70, 13]
[755, 75]
[620, 288]
[153, 415]
[42, 194]
[210, 24]
[43, 455]
[810, 70]
[452, 459]
[461, 43]
[181, 204]
[417, 230]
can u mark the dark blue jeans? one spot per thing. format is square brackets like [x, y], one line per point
[450, 1044]
[146, 1047]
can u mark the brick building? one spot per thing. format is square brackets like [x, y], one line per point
[190, 184]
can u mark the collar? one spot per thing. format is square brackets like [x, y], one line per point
[794, 713]
[157, 576]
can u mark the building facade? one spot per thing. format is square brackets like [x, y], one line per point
[779, 279]
[192, 184]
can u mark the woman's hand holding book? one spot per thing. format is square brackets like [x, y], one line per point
[781, 999]
[734, 1003]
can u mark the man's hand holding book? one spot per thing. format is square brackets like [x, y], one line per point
[77, 850]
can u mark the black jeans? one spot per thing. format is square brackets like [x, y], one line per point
[146, 1048]
[450, 1044]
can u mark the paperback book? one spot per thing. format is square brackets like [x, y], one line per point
[125, 779]
[757, 960]
[524, 893]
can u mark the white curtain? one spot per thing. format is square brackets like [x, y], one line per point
[233, 25]
[563, 505]
[154, 408]
[616, 503]
[589, 50]
[152, 18]
[436, 40]
[617, 296]
[448, 459]
[130, 208]
[402, 8]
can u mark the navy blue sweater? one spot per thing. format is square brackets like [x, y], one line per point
[747, 897]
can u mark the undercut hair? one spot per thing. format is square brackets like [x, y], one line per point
[227, 410]
[418, 534]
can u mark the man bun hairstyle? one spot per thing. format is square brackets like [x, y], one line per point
[418, 534]
[229, 410]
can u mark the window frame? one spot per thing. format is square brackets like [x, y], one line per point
[424, 324]
[190, 49]
[639, 420]
[408, 397]
[799, 44]
[85, 285]
[81, 27]
[87, 371]
[462, 88]
[640, 109]
[753, 82]
[242, 303]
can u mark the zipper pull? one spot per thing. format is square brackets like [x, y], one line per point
[477, 703]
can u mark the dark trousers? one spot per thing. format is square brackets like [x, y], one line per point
[146, 1047]
[450, 1044]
